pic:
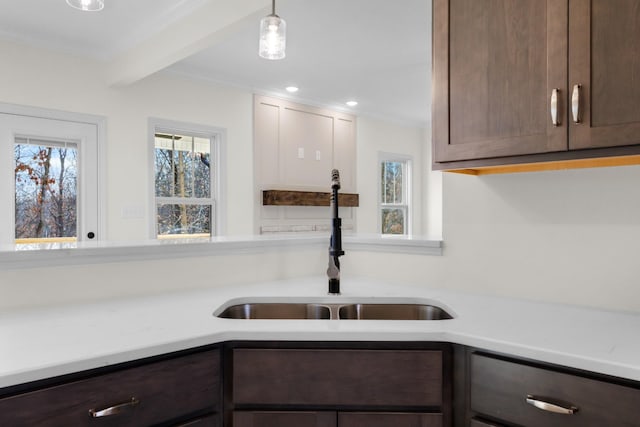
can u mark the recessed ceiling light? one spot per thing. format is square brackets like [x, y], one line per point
[87, 5]
[291, 89]
[352, 103]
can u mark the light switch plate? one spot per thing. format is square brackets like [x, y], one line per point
[132, 212]
[318, 156]
[301, 152]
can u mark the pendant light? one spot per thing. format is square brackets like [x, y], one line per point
[87, 5]
[273, 35]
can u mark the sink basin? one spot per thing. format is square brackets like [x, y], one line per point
[276, 311]
[346, 310]
[393, 312]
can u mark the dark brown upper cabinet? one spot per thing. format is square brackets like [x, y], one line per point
[496, 64]
[604, 59]
[535, 81]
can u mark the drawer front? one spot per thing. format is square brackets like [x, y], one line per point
[165, 390]
[337, 377]
[388, 419]
[500, 389]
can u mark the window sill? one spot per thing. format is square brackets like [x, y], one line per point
[58, 254]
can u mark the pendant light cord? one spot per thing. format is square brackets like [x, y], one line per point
[273, 7]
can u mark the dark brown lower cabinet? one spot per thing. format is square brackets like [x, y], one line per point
[333, 419]
[330, 384]
[350, 385]
[180, 391]
[519, 393]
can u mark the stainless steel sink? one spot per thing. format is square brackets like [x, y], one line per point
[276, 311]
[393, 312]
[346, 310]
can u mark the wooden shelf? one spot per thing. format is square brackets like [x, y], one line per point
[306, 198]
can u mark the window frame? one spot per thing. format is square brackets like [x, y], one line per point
[407, 206]
[93, 158]
[217, 197]
[80, 183]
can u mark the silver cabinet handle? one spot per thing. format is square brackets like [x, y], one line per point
[545, 405]
[113, 410]
[554, 107]
[575, 103]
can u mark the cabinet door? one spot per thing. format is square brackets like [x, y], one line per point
[495, 65]
[306, 147]
[605, 61]
[296, 146]
[283, 419]
[388, 419]
[344, 152]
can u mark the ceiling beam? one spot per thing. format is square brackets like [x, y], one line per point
[206, 26]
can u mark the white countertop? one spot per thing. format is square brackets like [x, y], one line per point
[38, 344]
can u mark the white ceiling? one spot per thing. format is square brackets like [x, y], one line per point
[374, 51]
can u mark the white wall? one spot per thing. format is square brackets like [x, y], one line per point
[57, 81]
[569, 236]
[431, 192]
[44, 79]
[561, 236]
[29, 288]
[78, 85]
[373, 137]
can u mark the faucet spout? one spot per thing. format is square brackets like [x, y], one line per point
[335, 243]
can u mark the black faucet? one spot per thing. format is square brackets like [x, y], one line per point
[335, 244]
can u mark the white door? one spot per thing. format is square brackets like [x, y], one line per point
[22, 135]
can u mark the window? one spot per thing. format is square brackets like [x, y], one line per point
[49, 174]
[186, 180]
[395, 191]
[46, 190]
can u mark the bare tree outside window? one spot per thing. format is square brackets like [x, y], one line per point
[183, 185]
[394, 196]
[45, 190]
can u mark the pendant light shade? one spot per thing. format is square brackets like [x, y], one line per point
[273, 35]
[87, 5]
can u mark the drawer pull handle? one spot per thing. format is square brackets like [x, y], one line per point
[544, 404]
[113, 410]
